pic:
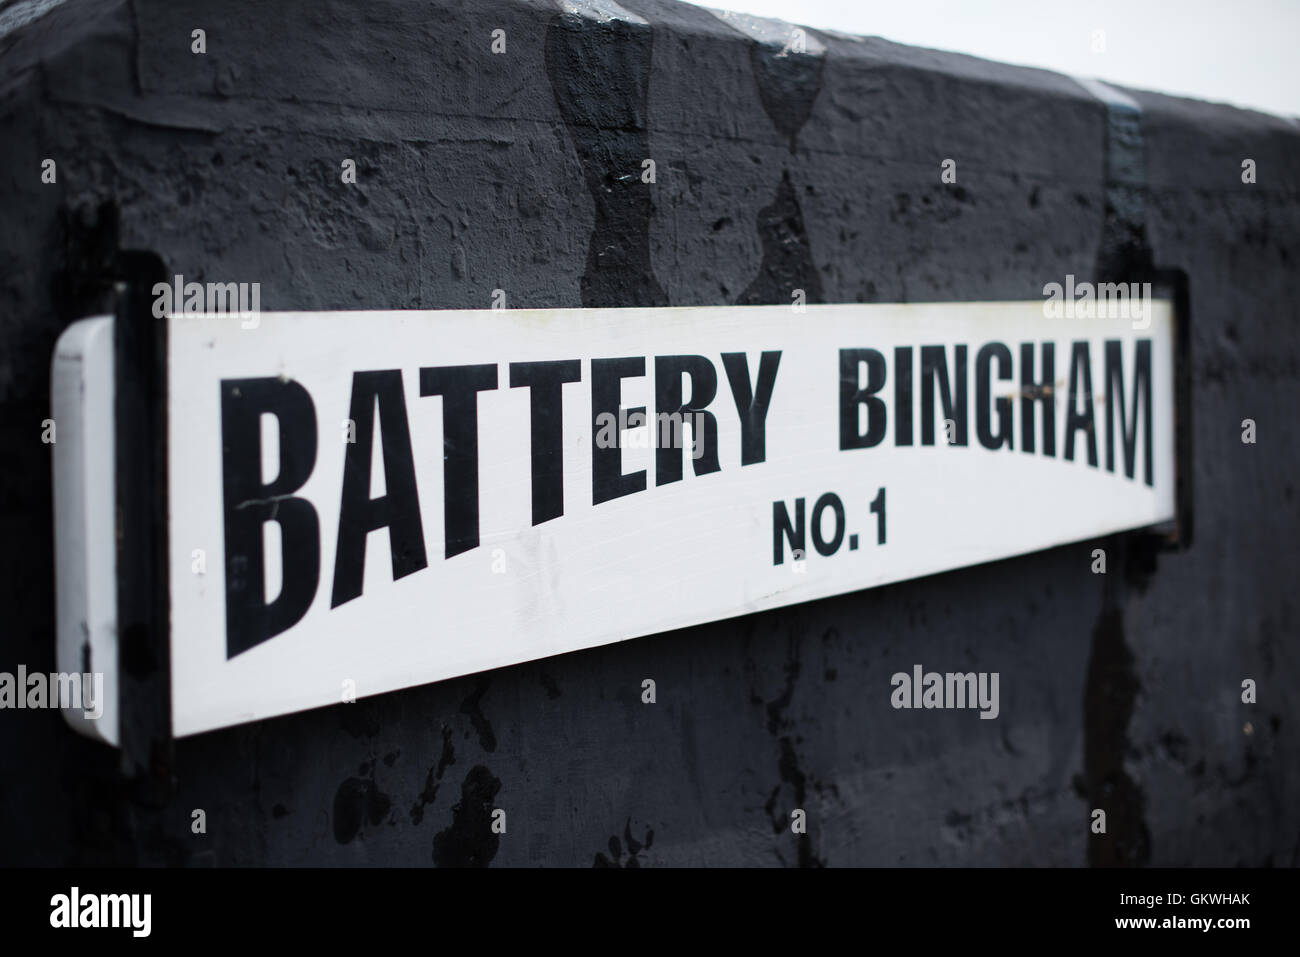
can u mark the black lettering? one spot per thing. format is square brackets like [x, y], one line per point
[752, 407]
[903, 395]
[1115, 406]
[545, 380]
[459, 387]
[934, 374]
[1041, 391]
[398, 509]
[1080, 390]
[832, 501]
[669, 403]
[878, 509]
[795, 535]
[248, 505]
[607, 478]
[983, 390]
[851, 397]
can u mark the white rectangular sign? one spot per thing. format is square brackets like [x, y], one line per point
[367, 501]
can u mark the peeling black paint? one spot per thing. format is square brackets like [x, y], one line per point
[470, 706]
[787, 257]
[1125, 249]
[788, 84]
[357, 801]
[788, 766]
[600, 73]
[1110, 694]
[434, 777]
[83, 283]
[361, 718]
[632, 845]
[470, 841]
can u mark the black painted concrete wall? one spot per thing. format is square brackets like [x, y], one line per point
[521, 171]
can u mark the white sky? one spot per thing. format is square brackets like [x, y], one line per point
[1242, 52]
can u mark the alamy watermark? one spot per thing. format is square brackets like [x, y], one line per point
[948, 690]
[1103, 300]
[240, 299]
[669, 430]
[75, 909]
[67, 691]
